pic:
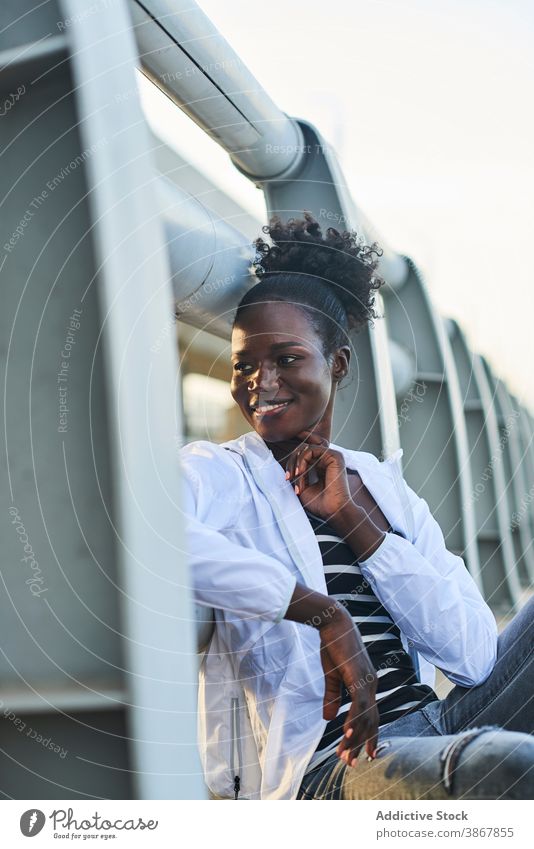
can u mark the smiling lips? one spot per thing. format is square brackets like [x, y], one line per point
[270, 408]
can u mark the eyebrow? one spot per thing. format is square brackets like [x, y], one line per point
[275, 347]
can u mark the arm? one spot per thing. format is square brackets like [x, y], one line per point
[358, 530]
[426, 589]
[430, 594]
[247, 582]
[224, 574]
[345, 660]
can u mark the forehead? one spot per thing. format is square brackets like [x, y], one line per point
[266, 324]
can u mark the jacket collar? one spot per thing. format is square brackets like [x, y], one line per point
[378, 478]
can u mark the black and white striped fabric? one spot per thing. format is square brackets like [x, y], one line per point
[398, 690]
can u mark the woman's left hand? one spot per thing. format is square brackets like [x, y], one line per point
[330, 495]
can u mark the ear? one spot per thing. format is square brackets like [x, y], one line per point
[340, 366]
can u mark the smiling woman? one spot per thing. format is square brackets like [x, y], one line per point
[331, 609]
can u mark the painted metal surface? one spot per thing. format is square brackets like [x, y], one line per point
[430, 415]
[103, 635]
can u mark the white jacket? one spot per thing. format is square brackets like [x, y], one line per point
[261, 681]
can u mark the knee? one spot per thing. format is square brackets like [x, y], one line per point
[517, 764]
[498, 765]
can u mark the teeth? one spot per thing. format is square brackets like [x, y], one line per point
[268, 407]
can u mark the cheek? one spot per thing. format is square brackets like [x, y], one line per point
[323, 397]
[236, 389]
[320, 385]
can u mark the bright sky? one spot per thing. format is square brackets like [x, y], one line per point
[429, 106]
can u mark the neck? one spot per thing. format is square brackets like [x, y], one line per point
[282, 450]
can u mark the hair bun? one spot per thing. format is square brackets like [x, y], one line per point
[340, 259]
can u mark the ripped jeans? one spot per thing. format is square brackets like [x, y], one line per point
[476, 743]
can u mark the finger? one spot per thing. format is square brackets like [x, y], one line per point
[294, 474]
[302, 469]
[370, 746]
[312, 436]
[366, 735]
[358, 743]
[352, 737]
[350, 752]
[349, 740]
[290, 466]
[306, 457]
[351, 757]
[312, 454]
[301, 475]
[358, 729]
[293, 463]
[313, 459]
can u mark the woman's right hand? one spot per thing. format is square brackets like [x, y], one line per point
[346, 661]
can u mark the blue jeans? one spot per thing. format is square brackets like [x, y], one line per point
[477, 743]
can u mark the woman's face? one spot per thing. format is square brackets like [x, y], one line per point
[281, 380]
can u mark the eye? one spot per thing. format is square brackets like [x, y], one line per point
[241, 367]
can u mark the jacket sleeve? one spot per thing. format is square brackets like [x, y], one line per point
[433, 599]
[226, 575]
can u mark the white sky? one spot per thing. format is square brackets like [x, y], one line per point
[429, 104]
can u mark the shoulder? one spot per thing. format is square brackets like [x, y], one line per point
[211, 464]
[207, 455]
[215, 481]
[202, 448]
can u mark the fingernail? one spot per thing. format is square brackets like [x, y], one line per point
[349, 732]
[288, 475]
[354, 761]
[297, 490]
[296, 470]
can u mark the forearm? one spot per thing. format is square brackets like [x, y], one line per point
[363, 537]
[358, 530]
[312, 608]
[335, 624]
[345, 660]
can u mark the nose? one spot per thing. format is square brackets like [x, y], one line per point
[265, 378]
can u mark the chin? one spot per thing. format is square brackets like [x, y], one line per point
[271, 433]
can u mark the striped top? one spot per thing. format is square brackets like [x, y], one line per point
[398, 690]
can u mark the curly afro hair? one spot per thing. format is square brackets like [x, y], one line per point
[332, 276]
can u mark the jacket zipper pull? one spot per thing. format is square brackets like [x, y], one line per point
[237, 784]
